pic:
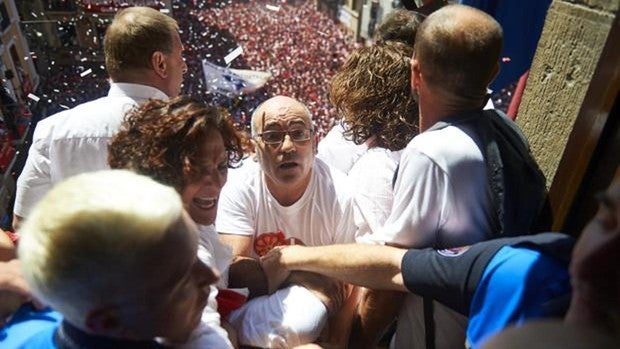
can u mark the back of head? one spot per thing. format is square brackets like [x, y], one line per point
[162, 139]
[372, 92]
[399, 25]
[132, 38]
[90, 240]
[458, 49]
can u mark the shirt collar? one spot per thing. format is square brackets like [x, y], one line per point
[136, 91]
[68, 336]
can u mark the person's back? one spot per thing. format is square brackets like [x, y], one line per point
[444, 195]
[373, 95]
[144, 60]
[337, 150]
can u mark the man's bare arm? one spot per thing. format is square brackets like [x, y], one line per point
[371, 266]
[247, 272]
[241, 244]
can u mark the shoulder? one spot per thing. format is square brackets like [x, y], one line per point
[446, 147]
[100, 117]
[326, 175]
[243, 183]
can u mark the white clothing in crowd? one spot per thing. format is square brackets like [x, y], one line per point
[75, 141]
[322, 216]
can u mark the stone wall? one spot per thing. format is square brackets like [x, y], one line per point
[568, 53]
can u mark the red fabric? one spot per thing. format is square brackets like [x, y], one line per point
[513, 108]
[227, 301]
[13, 236]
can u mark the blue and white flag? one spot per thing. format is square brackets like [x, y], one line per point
[227, 81]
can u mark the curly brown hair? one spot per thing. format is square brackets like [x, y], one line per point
[161, 139]
[372, 92]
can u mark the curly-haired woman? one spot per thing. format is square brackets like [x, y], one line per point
[372, 92]
[189, 146]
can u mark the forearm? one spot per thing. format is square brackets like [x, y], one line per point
[341, 322]
[372, 266]
[247, 272]
[376, 311]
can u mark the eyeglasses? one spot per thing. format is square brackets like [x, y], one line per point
[276, 137]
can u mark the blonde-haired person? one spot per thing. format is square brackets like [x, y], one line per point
[144, 58]
[114, 253]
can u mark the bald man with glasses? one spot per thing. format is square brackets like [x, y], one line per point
[292, 198]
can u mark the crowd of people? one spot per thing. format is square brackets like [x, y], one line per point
[283, 42]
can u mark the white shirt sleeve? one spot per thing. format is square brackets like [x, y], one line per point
[236, 212]
[35, 180]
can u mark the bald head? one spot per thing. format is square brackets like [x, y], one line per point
[278, 107]
[458, 49]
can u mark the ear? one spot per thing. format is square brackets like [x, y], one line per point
[159, 64]
[105, 321]
[416, 74]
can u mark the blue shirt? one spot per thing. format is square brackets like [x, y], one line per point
[515, 286]
[30, 328]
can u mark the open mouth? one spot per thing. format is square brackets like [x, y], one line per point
[205, 203]
[288, 165]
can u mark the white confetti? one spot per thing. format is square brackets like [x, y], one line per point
[234, 54]
[33, 97]
[273, 8]
[86, 72]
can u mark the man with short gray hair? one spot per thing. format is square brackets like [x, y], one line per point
[144, 59]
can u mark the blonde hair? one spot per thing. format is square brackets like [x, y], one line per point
[87, 241]
[132, 38]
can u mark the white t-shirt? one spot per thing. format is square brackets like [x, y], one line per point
[440, 200]
[75, 141]
[440, 194]
[338, 152]
[215, 254]
[322, 216]
[371, 176]
[219, 254]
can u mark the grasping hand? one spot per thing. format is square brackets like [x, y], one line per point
[274, 268]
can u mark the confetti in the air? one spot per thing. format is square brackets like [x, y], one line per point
[234, 54]
[34, 97]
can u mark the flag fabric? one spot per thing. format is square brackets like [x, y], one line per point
[232, 82]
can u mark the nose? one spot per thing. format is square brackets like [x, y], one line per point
[184, 67]
[214, 177]
[287, 144]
